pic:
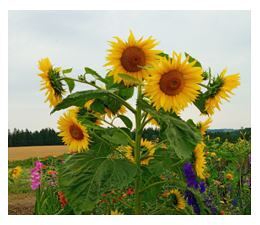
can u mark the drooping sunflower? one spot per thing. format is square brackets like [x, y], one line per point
[225, 85]
[147, 151]
[16, 172]
[131, 57]
[176, 198]
[73, 133]
[50, 82]
[200, 161]
[173, 83]
[203, 126]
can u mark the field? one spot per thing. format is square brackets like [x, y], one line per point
[22, 153]
[20, 196]
[223, 159]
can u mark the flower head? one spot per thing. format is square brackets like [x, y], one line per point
[147, 151]
[51, 82]
[62, 199]
[190, 175]
[203, 126]
[192, 201]
[131, 58]
[73, 133]
[229, 176]
[173, 83]
[200, 161]
[36, 175]
[16, 172]
[223, 86]
[176, 198]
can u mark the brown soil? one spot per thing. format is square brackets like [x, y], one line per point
[21, 153]
[21, 204]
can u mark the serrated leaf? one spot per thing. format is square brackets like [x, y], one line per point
[83, 177]
[70, 83]
[94, 74]
[80, 98]
[182, 136]
[117, 138]
[126, 121]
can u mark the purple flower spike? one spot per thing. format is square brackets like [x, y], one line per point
[190, 175]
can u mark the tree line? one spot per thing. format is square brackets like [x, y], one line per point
[45, 136]
[49, 136]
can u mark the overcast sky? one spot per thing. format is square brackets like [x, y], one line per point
[77, 39]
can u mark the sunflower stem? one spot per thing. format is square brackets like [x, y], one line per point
[138, 136]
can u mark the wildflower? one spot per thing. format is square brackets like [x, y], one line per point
[202, 187]
[36, 175]
[130, 191]
[16, 172]
[189, 196]
[62, 199]
[229, 176]
[190, 175]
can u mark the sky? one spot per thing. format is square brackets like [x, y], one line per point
[77, 39]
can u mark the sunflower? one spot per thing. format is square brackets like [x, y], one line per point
[176, 198]
[73, 133]
[50, 82]
[131, 58]
[203, 126]
[147, 152]
[225, 85]
[173, 83]
[16, 172]
[200, 161]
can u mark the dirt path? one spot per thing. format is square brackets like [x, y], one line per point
[21, 153]
[21, 204]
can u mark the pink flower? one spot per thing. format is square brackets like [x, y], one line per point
[36, 175]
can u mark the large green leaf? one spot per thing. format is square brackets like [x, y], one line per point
[85, 176]
[79, 98]
[182, 136]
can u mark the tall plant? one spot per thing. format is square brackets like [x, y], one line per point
[109, 157]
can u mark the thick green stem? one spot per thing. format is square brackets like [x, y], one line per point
[138, 136]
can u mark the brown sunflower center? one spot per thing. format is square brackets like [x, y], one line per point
[76, 132]
[132, 59]
[172, 82]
